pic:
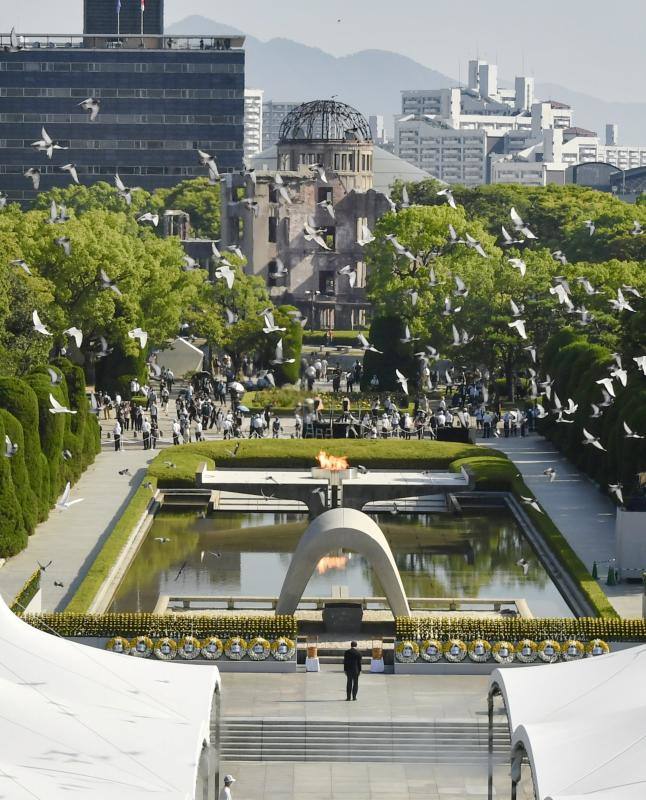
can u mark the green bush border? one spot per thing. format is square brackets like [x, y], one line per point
[503, 475]
[27, 593]
[111, 549]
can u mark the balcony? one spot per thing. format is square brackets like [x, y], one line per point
[67, 41]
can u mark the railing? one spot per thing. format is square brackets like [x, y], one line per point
[130, 41]
[170, 602]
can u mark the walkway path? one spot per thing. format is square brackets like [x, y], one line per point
[584, 515]
[71, 539]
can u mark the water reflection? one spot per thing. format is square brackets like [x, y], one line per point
[473, 555]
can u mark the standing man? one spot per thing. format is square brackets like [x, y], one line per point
[225, 791]
[116, 435]
[352, 669]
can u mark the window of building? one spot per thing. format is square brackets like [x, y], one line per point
[344, 162]
[327, 282]
[361, 275]
[273, 194]
[272, 278]
[329, 236]
[273, 229]
[325, 194]
[337, 161]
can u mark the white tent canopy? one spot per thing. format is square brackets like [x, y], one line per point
[76, 721]
[582, 725]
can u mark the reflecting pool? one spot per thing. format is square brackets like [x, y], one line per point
[438, 555]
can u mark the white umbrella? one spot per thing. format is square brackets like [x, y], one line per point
[311, 372]
[236, 387]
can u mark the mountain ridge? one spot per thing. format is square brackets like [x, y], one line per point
[291, 71]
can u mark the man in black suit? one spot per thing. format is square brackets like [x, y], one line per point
[352, 669]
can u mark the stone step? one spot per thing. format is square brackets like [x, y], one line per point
[400, 741]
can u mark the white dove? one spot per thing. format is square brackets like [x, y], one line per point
[519, 325]
[57, 408]
[270, 325]
[608, 385]
[365, 344]
[76, 334]
[64, 501]
[593, 440]
[630, 434]
[140, 335]
[402, 380]
[38, 325]
[279, 357]
[519, 264]
[225, 272]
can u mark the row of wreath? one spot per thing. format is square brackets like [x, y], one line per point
[211, 648]
[480, 650]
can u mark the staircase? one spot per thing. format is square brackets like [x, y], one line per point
[437, 742]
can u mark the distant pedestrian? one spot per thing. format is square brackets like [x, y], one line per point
[225, 792]
[145, 434]
[116, 434]
[352, 669]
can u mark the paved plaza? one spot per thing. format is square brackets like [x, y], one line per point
[383, 699]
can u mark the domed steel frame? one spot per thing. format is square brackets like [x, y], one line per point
[324, 121]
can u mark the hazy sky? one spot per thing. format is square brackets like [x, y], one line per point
[589, 45]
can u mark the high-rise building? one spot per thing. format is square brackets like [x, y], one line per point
[252, 122]
[273, 114]
[161, 98]
[377, 128]
[109, 17]
[612, 134]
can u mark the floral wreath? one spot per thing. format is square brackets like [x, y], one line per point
[527, 651]
[188, 648]
[258, 649]
[572, 650]
[406, 652]
[548, 651]
[597, 647]
[235, 648]
[141, 647]
[119, 644]
[212, 648]
[455, 650]
[165, 649]
[479, 651]
[431, 650]
[503, 652]
[283, 649]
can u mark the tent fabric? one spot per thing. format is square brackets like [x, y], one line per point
[582, 724]
[78, 721]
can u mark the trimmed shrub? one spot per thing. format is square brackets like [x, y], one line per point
[116, 370]
[51, 429]
[17, 397]
[13, 536]
[292, 346]
[25, 495]
[385, 335]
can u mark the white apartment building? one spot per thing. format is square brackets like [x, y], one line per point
[453, 156]
[377, 128]
[273, 115]
[252, 122]
[546, 160]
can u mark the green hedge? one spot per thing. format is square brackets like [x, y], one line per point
[576, 365]
[385, 335]
[301, 454]
[13, 536]
[515, 628]
[27, 593]
[36, 475]
[339, 338]
[156, 625]
[292, 346]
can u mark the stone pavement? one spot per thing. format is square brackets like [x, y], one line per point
[320, 696]
[584, 515]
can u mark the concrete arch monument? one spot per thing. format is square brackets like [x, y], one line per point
[353, 530]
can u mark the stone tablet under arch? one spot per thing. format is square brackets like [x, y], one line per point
[350, 529]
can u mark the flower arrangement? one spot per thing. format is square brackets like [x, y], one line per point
[479, 651]
[455, 650]
[572, 650]
[188, 648]
[597, 647]
[406, 652]
[212, 648]
[118, 644]
[283, 649]
[165, 649]
[503, 652]
[527, 651]
[141, 647]
[513, 629]
[235, 648]
[431, 650]
[258, 649]
[549, 651]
